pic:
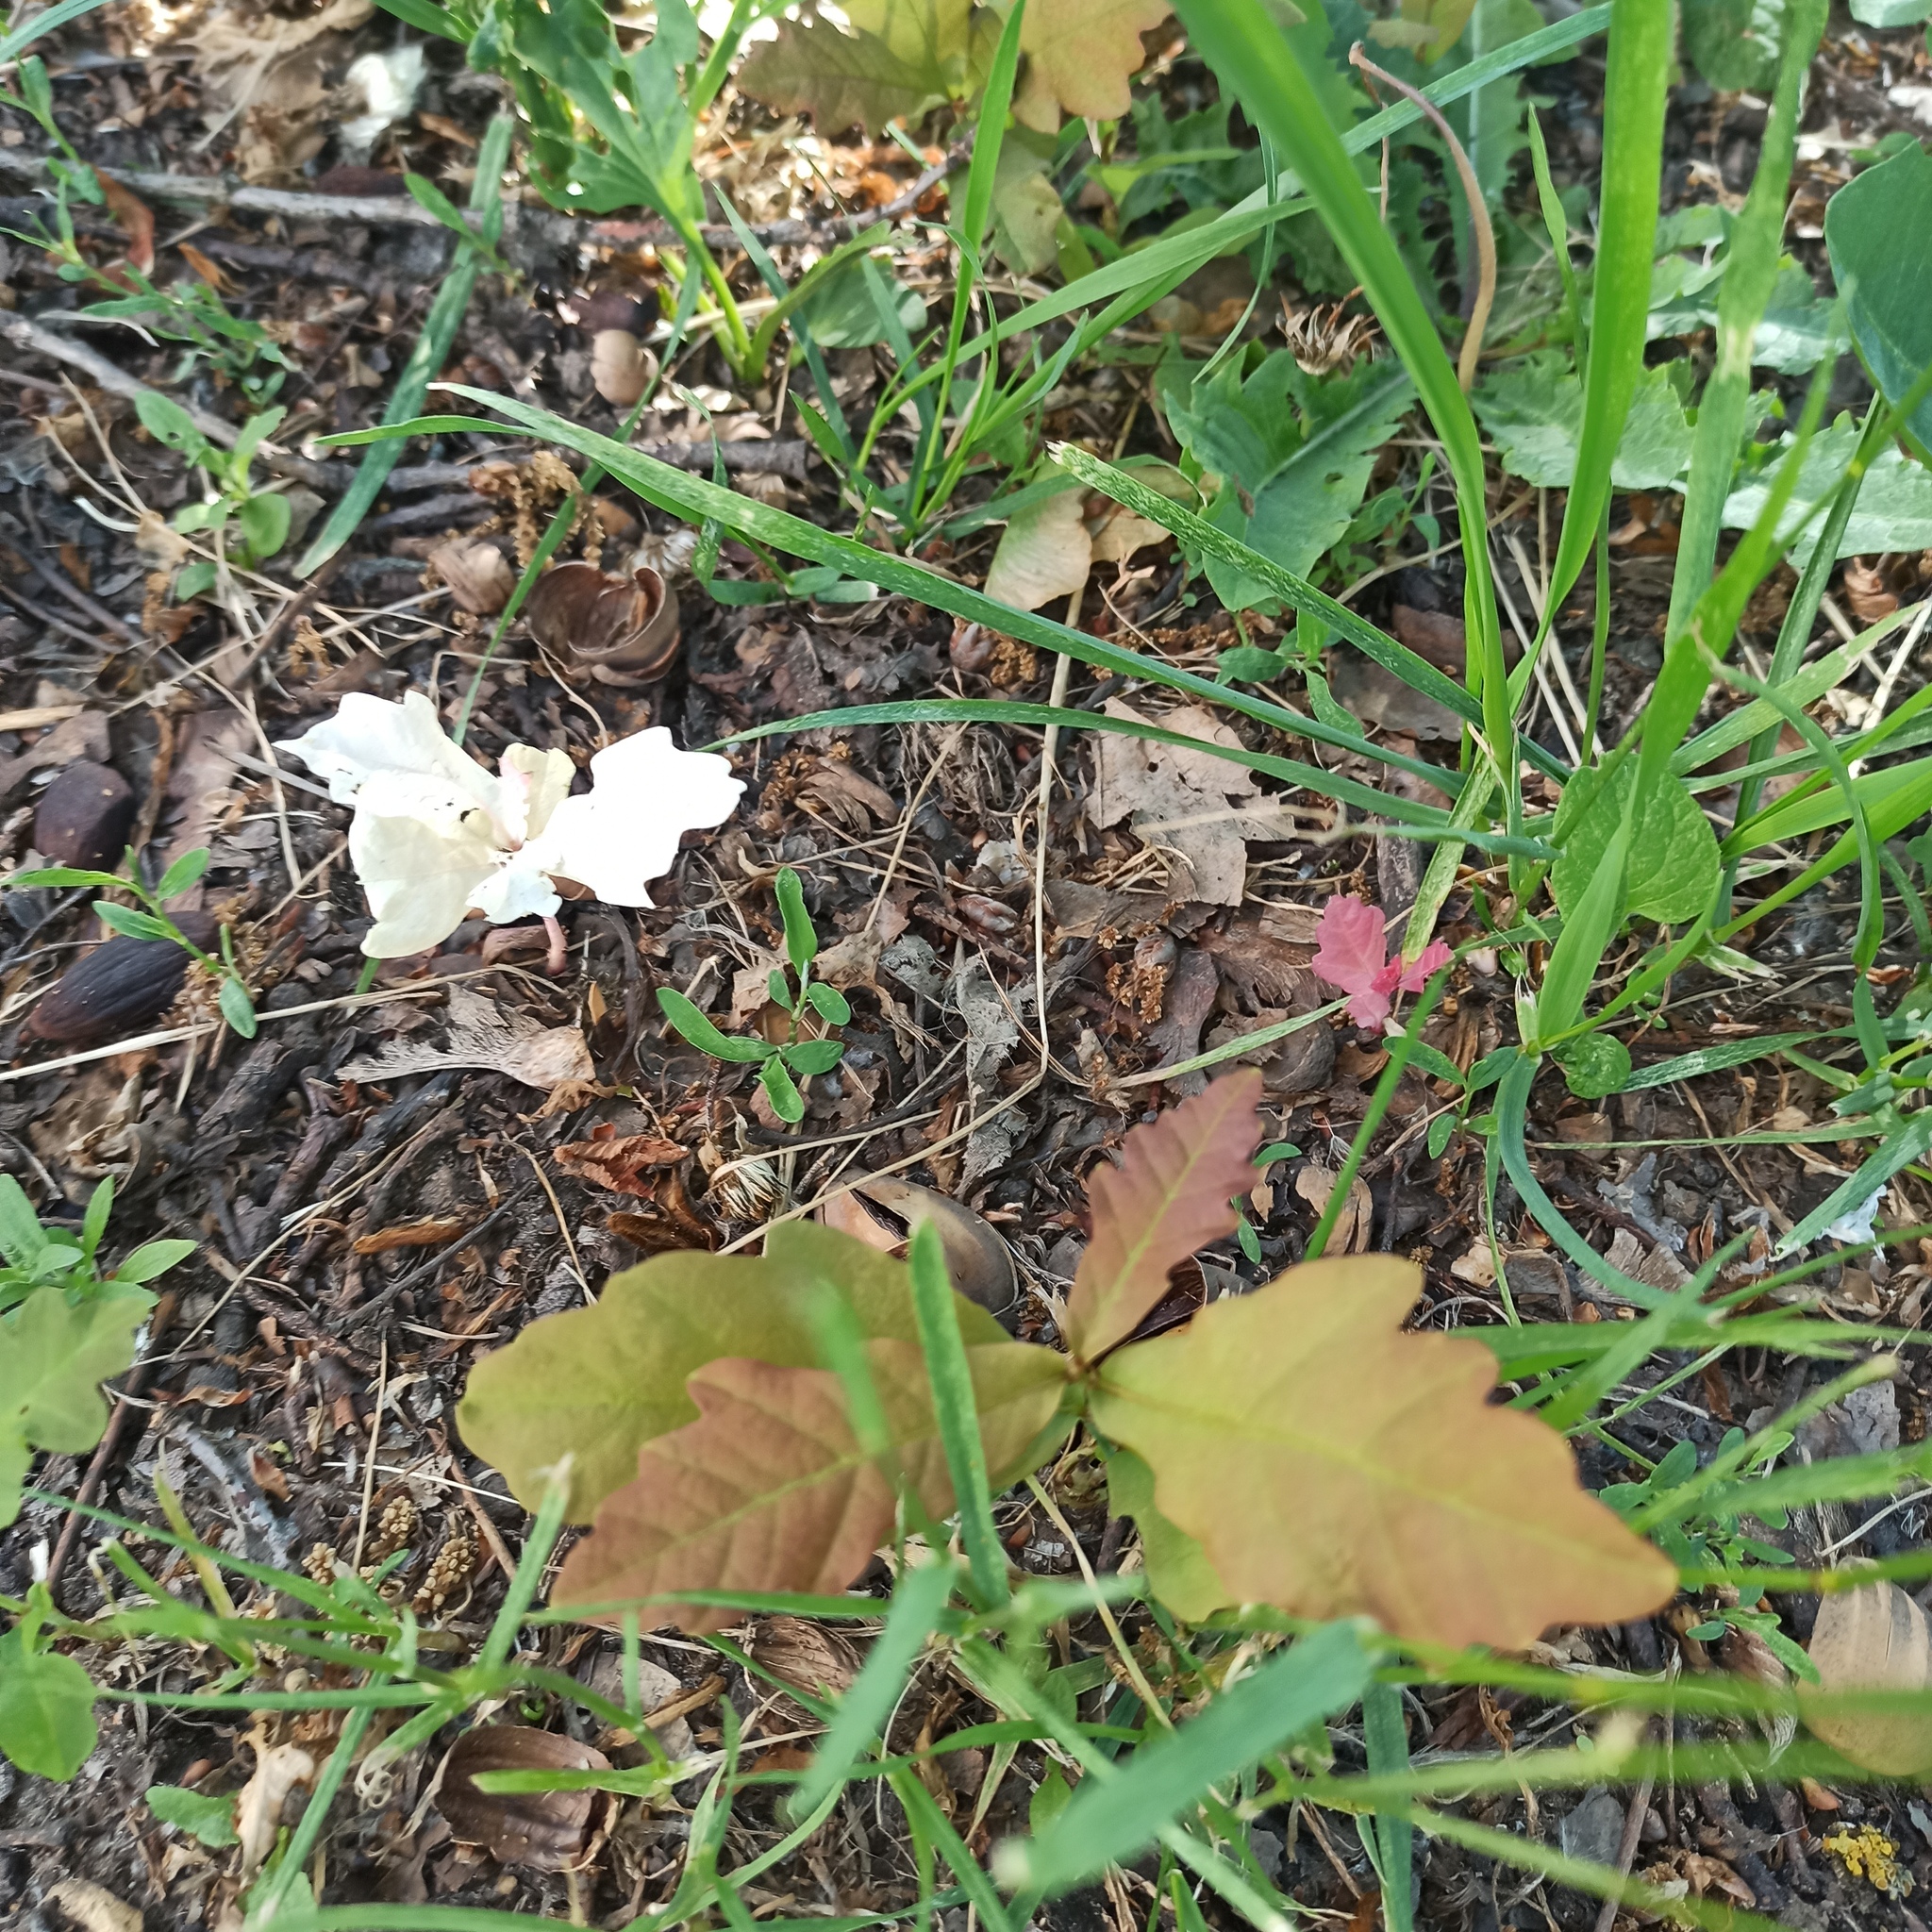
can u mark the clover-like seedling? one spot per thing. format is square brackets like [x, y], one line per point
[797, 994]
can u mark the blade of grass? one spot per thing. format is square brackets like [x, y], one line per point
[1385, 1736]
[1636, 91]
[916, 1605]
[1750, 271]
[1254, 58]
[432, 347]
[957, 1411]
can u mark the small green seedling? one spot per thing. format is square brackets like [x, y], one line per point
[33, 1257]
[238, 1009]
[796, 992]
[1243, 1228]
[260, 519]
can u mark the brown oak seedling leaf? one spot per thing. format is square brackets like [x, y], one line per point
[1079, 54]
[1331, 1465]
[770, 1490]
[598, 1383]
[1875, 1637]
[1171, 1195]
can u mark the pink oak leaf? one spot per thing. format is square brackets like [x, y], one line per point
[1352, 955]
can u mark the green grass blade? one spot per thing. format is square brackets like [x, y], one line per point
[1749, 274]
[1636, 89]
[916, 1605]
[1254, 61]
[1109, 1820]
[432, 347]
[24, 36]
[957, 1411]
[1580, 946]
[1387, 1737]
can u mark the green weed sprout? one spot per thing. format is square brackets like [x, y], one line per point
[777, 1062]
[236, 1007]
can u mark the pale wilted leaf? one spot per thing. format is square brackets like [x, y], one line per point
[1375, 1475]
[1171, 1195]
[483, 1034]
[1079, 54]
[1875, 1637]
[598, 1383]
[769, 1490]
[1044, 552]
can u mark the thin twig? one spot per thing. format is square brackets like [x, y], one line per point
[1479, 218]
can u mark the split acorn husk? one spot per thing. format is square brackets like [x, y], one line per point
[883, 1212]
[594, 620]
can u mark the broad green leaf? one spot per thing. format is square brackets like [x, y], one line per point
[1376, 1476]
[1178, 1571]
[1886, 15]
[1594, 909]
[238, 1009]
[1026, 209]
[1595, 1065]
[828, 1003]
[1734, 43]
[843, 312]
[167, 421]
[1672, 868]
[801, 941]
[207, 1817]
[1893, 510]
[808, 1056]
[53, 1359]
[21, 1236]
[770, 1489]
[46, 1708]
[1532, 409]
[598, 1383]
[788, 1103]
[1878, 230]
[264, 522]
[1111, 1819]
[1170, 1196]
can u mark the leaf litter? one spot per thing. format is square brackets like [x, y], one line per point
[341, 1362]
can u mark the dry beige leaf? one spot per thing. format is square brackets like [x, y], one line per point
[1044, 552]
[812, 1658]
[1119, 532]
[1198, 808]
[1355, 1224]
[1872, 1639]
[278, 1768]
[620, 367]
[477, 573]
[1079, 54]
[482, 1035]
[94, 1906]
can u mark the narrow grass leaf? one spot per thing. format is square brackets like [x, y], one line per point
[955, 1410]
[914, 1615]
[1111, 1820]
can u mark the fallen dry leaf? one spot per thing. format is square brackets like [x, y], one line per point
[1044, 552]
[1375, 1477]
[540, 1831]
[1171, 1195]
[1875, 1639]
[94, 1906]
[412, 1233]
[883, 1212]
[136, 221]
[1199, 808]
[1355, 1224]
[620, 1162]
[812, 1658]
[482, 1035]
[1079, 54]
[278, 1768]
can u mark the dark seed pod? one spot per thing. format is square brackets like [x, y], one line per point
[119, 986]
[84, 816]
[590, 619]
